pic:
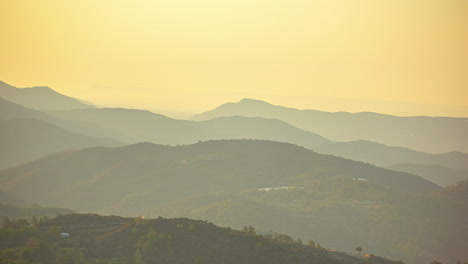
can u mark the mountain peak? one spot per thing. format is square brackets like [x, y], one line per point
[40, 97]
[252, 101]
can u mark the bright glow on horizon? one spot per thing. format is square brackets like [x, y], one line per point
[192, 55]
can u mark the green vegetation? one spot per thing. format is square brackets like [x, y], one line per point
[341, 213]
[114, 240]
[339, 203]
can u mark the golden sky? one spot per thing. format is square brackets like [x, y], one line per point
[192, 55]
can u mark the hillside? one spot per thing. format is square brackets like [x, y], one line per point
[25, 139]
[458, 191]
[383, 155]
[314, 192]
[39, 98]
[13, 208]
[341, 214]
[27, 212]
[147, 126]
[10, 110]
[116, 240]
[428, 134]
[440, 175]
[94, 178]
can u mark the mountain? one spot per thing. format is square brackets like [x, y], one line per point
[94, 178]
[437, 174]
[340, 215]
[10, 110]
[40, 98]
[383, 155]
[26, 139]
[428, 134]
[144, 125]
[458, 191]
[117, 240]
[132, 126]
[248, 182]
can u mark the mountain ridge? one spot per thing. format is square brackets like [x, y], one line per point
[242, 164]
[422, 133]
[39, 97]
[26, 139]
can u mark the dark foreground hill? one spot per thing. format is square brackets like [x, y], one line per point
[116, 240]
[422, 133]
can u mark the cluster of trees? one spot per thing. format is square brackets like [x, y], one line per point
[114, 240]
[15, 224]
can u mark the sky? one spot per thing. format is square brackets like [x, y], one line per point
[391, 56]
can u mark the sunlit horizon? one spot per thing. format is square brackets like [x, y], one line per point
[393, 57]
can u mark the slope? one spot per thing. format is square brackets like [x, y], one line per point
[39, 98]
[440, 175]
[10, 110]
[428, 134]
[383, 155]
[116, 240]
[25, 139]
[147, 126]
[95, 178]
[308, 194]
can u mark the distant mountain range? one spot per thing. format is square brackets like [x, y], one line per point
[9, 110]
[143, 125]
[252, 165]
[127, 125]
[428, 134]
[40, 97]
[440, 175]
[443, 169]
[383, 155]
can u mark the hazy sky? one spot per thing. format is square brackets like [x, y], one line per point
[192, 55]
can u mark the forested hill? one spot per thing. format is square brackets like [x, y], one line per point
[115, 240]
[95, 178]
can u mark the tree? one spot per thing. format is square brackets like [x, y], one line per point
[299, 241]
[249, 230]
[34, 221]
[6, 223]
[359, 249]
